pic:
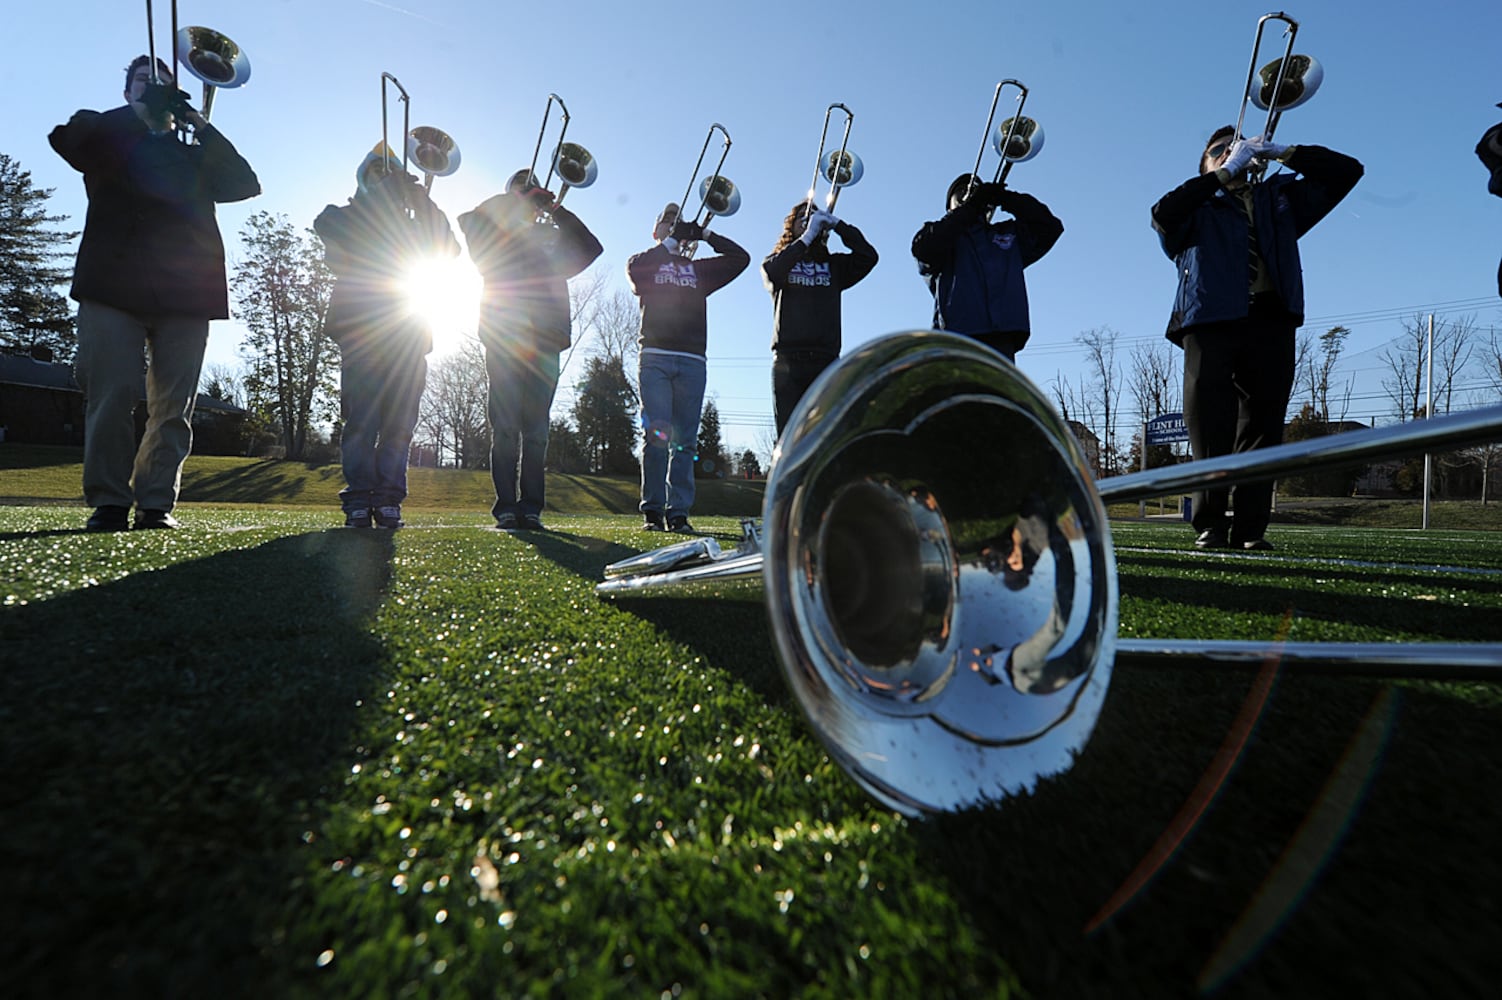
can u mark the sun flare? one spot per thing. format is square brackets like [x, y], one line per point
[446, 293]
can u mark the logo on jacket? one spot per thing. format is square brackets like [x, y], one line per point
[809, 273]
[681, 275]
[1004, 240]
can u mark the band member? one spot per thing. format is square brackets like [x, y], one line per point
[370, 244]
[148, 279]
[526, 246]
[974, 266]
[1239, 300]
[806, 280]
[1489, 149]
[673, 289]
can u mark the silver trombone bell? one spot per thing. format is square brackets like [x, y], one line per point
[719, 195]
[1026, 143]
[1302, 79]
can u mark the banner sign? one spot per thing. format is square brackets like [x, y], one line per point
[1167, 429]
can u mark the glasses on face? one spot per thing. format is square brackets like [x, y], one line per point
[1218, 150]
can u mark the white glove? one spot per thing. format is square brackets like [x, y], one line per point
[669, 244]
[1266, 150]
[818, 221]
[1240, 158]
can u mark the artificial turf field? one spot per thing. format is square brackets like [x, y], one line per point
[265, 756]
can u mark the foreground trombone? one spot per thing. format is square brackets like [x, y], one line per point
[433, 150]
[946, 615]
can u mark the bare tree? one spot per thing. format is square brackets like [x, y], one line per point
[1154, 380]
[1452, 355]
[1454, 345]
[1405, 365]
[1319, 365]
[1103, 390]
[454, 416]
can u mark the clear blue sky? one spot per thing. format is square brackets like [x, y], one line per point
[1126, 92]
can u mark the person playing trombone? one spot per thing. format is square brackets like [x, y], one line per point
[526, 246]
[673, 290]
[974, 266]
[149, 277]
[806, 280]
[1239, 301]
[370, 244]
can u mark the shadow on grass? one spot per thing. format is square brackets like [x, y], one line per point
[164, 738]
[1401, 898]
[258, 483]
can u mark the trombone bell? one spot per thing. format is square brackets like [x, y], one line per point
[576, 165]
[719, 195]
[213, 58]
[433, 150]
[849, 171]
[1026, 141]
[1302, 79]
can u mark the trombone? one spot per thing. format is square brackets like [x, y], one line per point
[840, 168]
[210, 56]
[718, 195]
[1017, 139]
[1284, 83]
[574, 165]
[941, 668]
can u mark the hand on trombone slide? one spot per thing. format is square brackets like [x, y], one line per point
[686, 231]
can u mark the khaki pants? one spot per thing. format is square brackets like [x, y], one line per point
[113, 349]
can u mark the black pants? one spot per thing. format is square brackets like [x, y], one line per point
[1237, 377]
[792, 373]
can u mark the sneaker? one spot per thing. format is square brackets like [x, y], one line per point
[156, 519]
[654, 521]
[679, 523]
[1212, 538]
[532, 522]
[506, 522]
[1257, 545]
[358, 517]
[108, 518]
[389, 516]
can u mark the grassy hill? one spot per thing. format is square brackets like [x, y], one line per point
[39, 473]
[42, 474]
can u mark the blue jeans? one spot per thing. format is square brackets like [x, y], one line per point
[522, 383]
[380, 386]
[672, 393]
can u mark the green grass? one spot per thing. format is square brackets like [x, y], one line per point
[261, 756]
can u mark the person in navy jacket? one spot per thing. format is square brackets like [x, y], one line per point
[974, 266]
[1240, 299]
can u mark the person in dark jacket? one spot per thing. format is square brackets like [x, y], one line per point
[1489, 149]
[526, 247]
[974, 266]
[806, 280]
[673, 290]
[371, 245]
[1239, 301]
[148, 279]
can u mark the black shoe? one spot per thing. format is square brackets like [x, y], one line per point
[531, 522]
[155, 519]
[679, 524]
[1257, 545]
[357, 517]
[654, 521]
[1212, 538]
[108, 518]
[389, 516]
[505, 522]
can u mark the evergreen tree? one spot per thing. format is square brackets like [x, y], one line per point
[604, 415]
[711, 461]
[33, 256]
[282, 290]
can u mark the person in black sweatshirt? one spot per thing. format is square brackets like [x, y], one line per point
[673, 288]
[806, 280]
